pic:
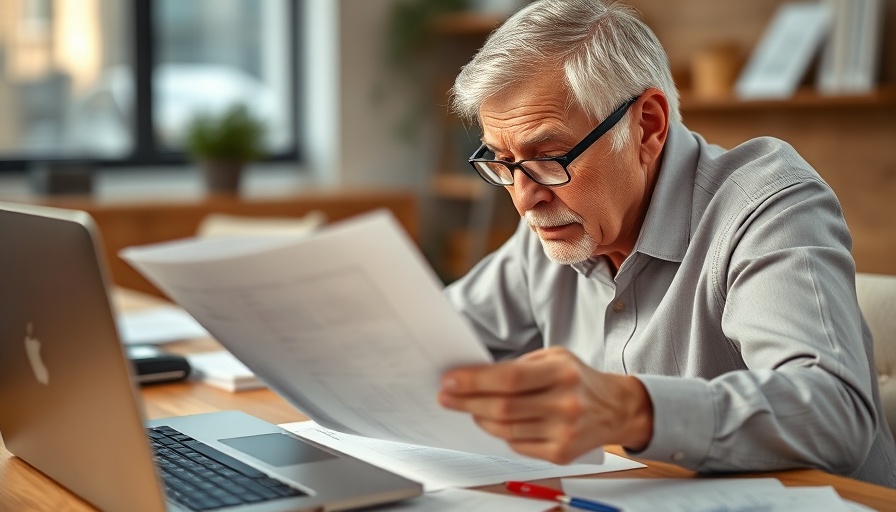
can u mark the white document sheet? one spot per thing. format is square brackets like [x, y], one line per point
[452, 500]
[349, 325]
[709, 495]
[857, 507]
[154, 326]
[442, 469]
[220, 369]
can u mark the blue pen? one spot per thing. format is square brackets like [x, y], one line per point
[546, 493]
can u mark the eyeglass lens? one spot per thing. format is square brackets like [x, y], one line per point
[545, 172]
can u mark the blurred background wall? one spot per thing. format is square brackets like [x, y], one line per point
[352, 94]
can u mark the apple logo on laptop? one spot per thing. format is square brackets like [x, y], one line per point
[32, 349]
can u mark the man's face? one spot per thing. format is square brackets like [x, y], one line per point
[600, 210]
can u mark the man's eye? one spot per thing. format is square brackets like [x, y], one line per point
[502, 158]
[552, 153]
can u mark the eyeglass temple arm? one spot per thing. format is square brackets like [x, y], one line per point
[600, 130]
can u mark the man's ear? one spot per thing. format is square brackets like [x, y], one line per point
[651, 116]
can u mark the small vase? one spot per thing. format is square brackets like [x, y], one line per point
[222, 177]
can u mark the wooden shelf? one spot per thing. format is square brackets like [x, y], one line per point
[806, 98]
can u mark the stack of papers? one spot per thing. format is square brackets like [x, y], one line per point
[708, 495]
[444, 473]
[452, 500]
[154, 326]
[221, 369]
[439, 469]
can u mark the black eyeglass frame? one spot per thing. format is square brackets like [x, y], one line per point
[564, 160]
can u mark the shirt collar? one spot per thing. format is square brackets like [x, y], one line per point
[665, 233]
[667, 226]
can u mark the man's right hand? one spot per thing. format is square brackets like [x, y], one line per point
[550, 405]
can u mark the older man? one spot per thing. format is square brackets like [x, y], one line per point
[692, 304]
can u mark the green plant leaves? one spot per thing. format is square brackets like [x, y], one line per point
[234, 135]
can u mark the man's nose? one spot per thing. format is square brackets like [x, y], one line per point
[526, 192]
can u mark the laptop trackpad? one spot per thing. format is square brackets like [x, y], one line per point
[278, 449]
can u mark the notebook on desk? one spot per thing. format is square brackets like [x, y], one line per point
[69, 407]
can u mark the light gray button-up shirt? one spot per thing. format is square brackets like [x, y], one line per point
[737, 310]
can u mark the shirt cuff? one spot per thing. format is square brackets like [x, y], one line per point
[683, 420]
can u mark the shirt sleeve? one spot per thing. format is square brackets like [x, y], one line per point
[786, 296]
[495, 299]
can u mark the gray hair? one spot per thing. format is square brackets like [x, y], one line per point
[607, 55]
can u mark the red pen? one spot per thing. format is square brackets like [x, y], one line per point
[546, 493]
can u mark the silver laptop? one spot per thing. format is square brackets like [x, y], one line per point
[69, 406]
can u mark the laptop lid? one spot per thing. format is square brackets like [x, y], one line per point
[68, 405]
[65, 389]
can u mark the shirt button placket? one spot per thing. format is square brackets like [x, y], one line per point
[619, 327]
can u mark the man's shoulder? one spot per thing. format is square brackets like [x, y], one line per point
[756, 167]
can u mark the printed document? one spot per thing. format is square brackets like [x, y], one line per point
[348, 324]
[438, 469]
[154, 326]
[221, 369]
[452, 500]
[709, 495]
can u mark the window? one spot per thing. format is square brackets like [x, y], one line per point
[118, 81]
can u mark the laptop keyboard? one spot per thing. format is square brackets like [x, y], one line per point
[203, 478]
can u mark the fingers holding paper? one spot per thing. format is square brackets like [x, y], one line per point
[549, 405]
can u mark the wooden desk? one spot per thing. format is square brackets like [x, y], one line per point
[24, 488]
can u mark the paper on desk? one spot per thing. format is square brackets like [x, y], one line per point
[221, 369]
[452, 500]
[348, 324]
[153, 326]
[437, 468]
[710, 495]
[857, 507]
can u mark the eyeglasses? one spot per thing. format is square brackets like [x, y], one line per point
[548, 171]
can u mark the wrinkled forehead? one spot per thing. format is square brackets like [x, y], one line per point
[545, 95]
[523, 128]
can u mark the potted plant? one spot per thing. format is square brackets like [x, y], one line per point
[223, 144]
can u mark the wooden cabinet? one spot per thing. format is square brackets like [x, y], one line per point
[848, 139]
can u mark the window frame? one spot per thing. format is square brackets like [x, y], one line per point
[147, 151]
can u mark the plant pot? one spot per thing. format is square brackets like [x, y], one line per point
[222, 177]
